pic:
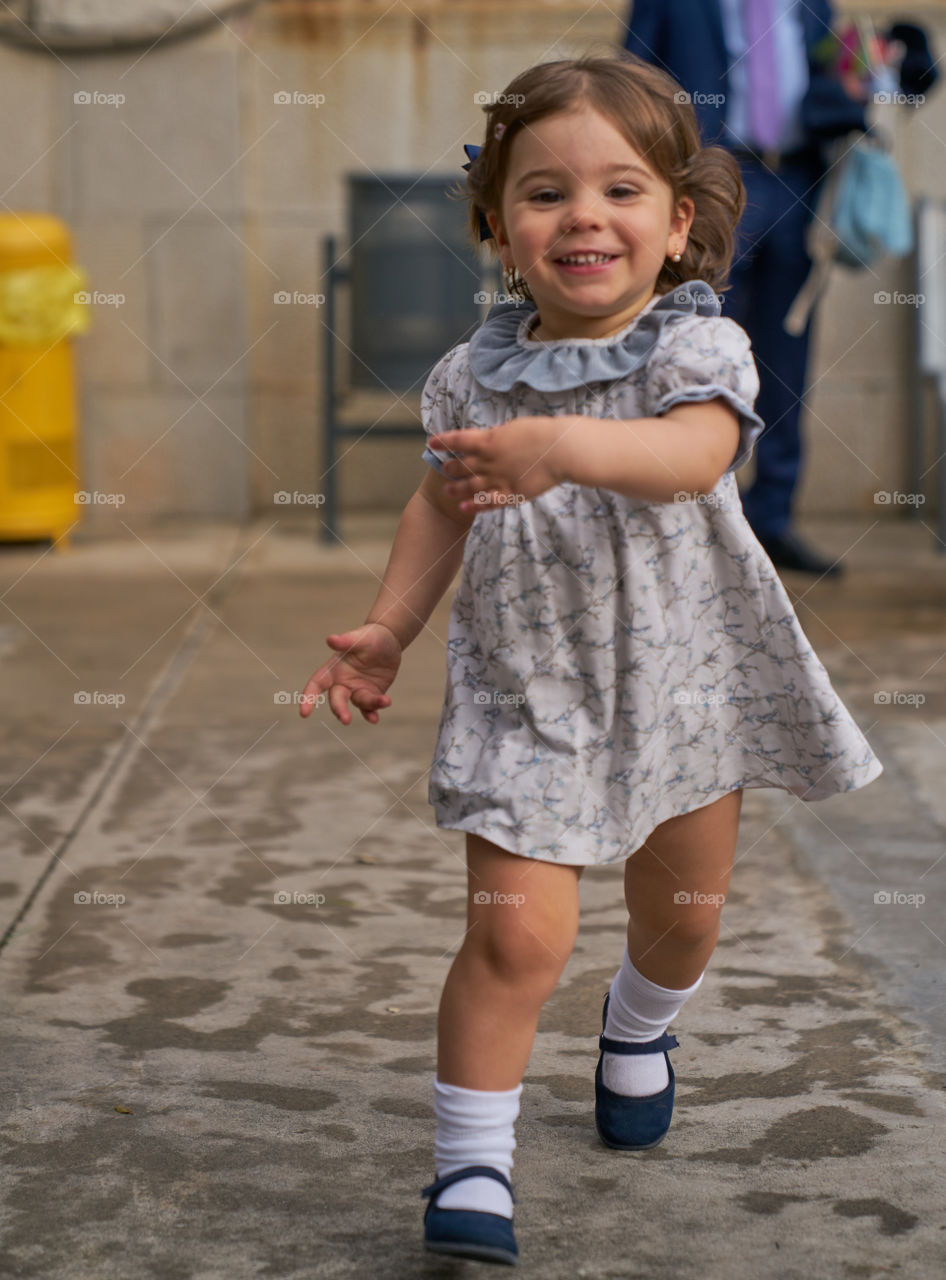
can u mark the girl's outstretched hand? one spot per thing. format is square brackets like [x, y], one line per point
[514, 462]
[364, 667]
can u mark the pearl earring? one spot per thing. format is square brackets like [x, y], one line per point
[677, 256]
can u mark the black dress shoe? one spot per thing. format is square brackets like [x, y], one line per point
[787, 551]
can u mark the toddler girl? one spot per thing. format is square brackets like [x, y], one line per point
[622, 658]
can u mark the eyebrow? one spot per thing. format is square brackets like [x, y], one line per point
[614, 168]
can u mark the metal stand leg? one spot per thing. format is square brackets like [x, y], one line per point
[329, 531]
[916, 388]
[940, 465]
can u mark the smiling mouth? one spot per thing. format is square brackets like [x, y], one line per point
[585, 259]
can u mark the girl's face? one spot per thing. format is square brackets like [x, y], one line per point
[575, 185]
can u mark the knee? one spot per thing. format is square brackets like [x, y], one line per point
[695, 926]
[689, 924]
[519, 947]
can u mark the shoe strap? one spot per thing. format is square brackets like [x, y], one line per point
[664, 1041]
[471, 1171]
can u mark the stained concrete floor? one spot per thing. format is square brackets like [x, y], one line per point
[200, 1081]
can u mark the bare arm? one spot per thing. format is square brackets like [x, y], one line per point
[685, 450]
[425, 557]
[427, 551]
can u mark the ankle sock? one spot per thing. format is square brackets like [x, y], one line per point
[639, 1010]
[475, 1126]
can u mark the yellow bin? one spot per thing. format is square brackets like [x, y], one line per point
[42, 302]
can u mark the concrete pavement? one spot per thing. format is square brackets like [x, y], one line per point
[202, 1081]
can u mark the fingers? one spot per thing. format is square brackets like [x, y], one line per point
[452, 441]
[309, 695]
[312, 692]
[471, 497]
[318, 682]
[338, 701]
[464, 490]
[460, 469]
[367, 703]
[342, 641]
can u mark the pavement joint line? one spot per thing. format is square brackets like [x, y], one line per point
[161, 690]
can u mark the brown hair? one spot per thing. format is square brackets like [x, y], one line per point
[654, 114]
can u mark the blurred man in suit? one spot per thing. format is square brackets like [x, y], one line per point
[760, 88]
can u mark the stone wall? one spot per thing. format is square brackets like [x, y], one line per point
[197, 196]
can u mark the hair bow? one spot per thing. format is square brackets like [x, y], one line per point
[472, 152]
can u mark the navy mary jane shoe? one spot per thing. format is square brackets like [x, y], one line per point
[469, 1233]
[632, 1124]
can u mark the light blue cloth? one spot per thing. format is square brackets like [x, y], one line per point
[497, 361]
[793, 79]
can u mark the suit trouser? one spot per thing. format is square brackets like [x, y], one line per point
[770, 265]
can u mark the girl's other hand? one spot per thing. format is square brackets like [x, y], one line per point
[521, 458]
[366, 665]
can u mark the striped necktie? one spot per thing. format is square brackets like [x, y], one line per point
[765, 106]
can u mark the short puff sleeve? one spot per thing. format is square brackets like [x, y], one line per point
[698, 358]
[438, 404]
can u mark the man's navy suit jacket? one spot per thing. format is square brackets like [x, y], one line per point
[685, 38]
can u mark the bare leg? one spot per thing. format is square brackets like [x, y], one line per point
[522, 918]
[670, 940]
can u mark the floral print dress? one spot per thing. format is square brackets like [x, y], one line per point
[613, 662]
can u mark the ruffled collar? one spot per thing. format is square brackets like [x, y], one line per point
[500, 353]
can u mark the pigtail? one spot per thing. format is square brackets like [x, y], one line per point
[712, 180]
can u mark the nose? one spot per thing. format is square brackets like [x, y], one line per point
[582, 211]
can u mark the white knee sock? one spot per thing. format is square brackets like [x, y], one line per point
[639, 1010]
[475, 1126]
